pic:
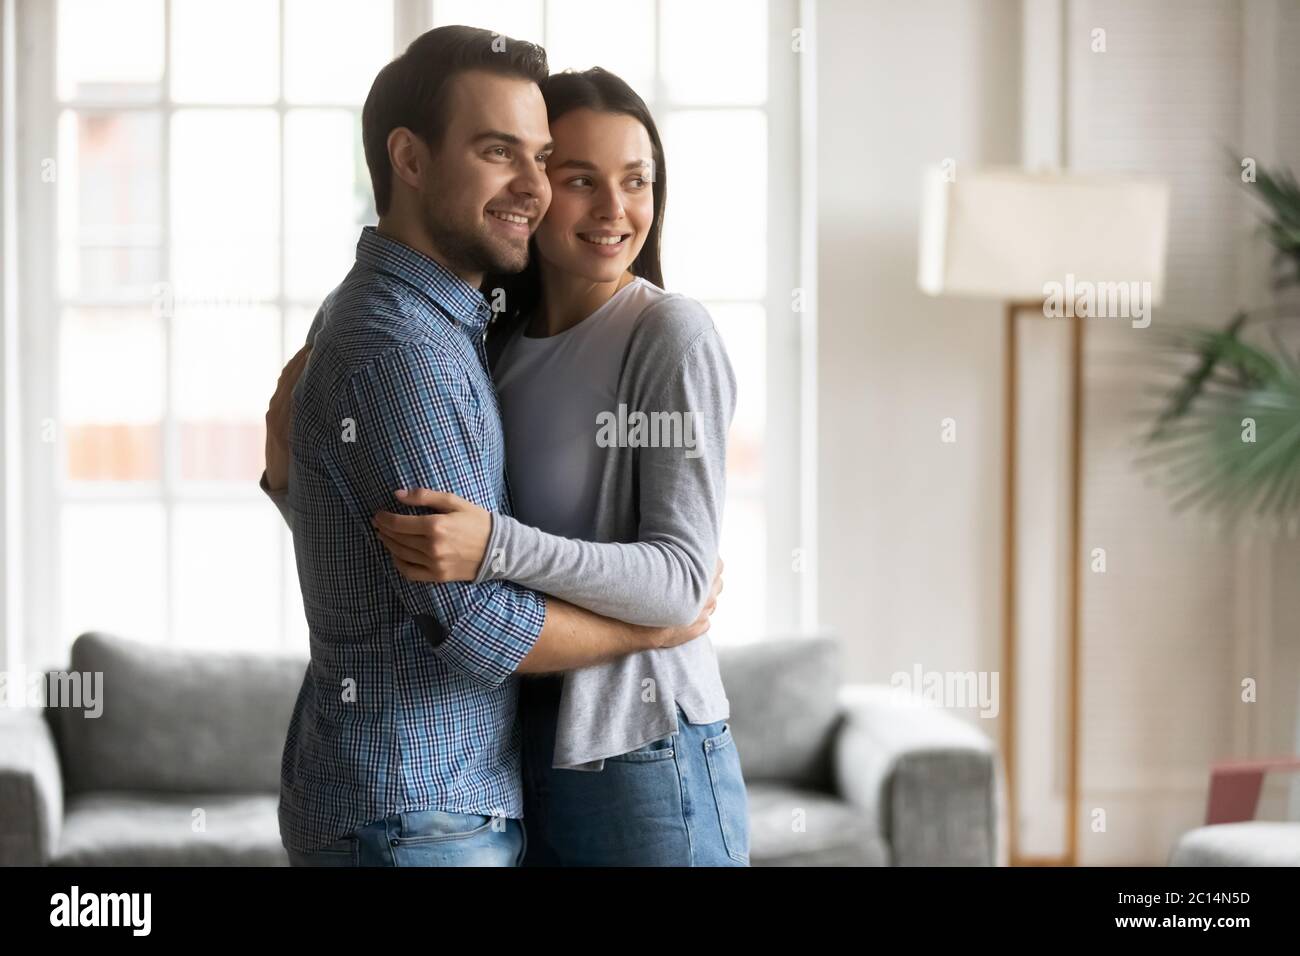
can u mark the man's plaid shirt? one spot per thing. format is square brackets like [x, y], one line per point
[409, 700]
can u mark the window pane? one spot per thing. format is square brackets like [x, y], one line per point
[225, 51]
[112, 570]
[111, 394]
[741, 614]
[327, 198]
[334, 48]
[744, 331]
[226, 574]
[109, 186]
[518, 19]
[616, 36]
[110, 49]
[225, 205]
[714, 52]
[712, 252]
[227, 363]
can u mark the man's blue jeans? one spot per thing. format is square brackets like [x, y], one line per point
[425, 838]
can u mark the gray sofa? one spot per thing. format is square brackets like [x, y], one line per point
[182, 767]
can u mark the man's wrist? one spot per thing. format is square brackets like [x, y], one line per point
[642, 637]
[490, 566]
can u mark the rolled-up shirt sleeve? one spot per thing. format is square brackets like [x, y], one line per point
[410, 419]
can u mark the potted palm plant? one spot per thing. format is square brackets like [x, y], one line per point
[1226, 438]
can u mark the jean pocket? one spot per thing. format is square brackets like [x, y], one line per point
[729, 793]
[655, 750]
[440, 826]
[342, 852]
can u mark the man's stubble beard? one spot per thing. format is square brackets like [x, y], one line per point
[469, 248]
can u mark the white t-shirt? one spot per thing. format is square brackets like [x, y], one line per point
[551, 390]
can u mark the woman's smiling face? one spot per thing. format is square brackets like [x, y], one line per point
[602, 194]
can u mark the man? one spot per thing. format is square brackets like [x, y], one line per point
[403, 749]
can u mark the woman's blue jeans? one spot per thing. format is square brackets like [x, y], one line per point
[679, 801]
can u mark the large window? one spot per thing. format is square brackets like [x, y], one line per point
[206, 185]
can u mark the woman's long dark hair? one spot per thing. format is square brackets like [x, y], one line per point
[602, 91]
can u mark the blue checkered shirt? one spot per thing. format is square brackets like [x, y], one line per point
[410, 697]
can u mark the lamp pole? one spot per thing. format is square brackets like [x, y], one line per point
[1010, 582]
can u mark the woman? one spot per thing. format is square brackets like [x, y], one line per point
[615, 398]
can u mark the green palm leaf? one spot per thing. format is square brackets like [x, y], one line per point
[1232, 445]
[1226, 437]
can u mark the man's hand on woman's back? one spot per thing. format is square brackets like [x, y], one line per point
[279, 417]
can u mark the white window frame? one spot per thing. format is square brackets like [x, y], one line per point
[11, 536]
[30, 585]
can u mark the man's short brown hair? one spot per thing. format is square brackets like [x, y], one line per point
[412, 90]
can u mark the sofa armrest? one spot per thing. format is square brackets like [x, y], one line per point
[31, 789]
[927, 779]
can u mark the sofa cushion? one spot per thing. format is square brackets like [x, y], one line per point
[791, 827]
[784, 708]
[151, 829]
[1251, 843]
[177, 721]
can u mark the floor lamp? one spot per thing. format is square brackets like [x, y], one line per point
[1051, 247]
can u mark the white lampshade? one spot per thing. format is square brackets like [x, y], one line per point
[1005, 233]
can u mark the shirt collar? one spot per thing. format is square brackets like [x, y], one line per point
[449, 292]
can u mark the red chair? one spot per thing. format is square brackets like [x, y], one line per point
[1235, 786]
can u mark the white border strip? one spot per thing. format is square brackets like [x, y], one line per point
[11, 646]
[809, 616]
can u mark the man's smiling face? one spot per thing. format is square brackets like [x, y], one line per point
[486, 188]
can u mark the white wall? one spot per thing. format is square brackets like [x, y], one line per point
[1184, 613]
[10, 489]
[910, 527]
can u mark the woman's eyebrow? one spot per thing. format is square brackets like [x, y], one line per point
[584, 164]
